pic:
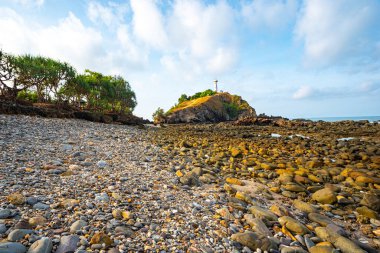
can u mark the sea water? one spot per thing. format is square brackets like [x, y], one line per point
[356, 118]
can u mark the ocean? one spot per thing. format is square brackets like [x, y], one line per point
[356, 118]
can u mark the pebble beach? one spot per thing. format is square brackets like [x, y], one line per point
[68, 185]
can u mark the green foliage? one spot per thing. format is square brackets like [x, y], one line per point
[232, 109]
[184, 97]
[30, 96]
[158, 115]
[51, 79]
[202, 94]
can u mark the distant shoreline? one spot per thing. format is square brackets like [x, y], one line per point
[335, 119]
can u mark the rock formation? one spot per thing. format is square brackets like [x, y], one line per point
[217, 108]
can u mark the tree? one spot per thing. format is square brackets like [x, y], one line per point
[8, 73]
[158, 116]
[183, 98]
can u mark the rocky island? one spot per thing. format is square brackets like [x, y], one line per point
[216, 107]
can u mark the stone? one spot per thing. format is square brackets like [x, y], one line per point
[3, 228]
[260, 212]
[102, 197]
[16, 199]
[235, 152]
[293, 225]
[324, 196]
[101, 164]
[100, 238]
[74, 167]
[66, 203]
[31, 200]
[43, 245]
[343, 243]
[234, 181]
[77, 225]
[117, 196]
[293, 187]
[122, 230]
[363, 210]
[320, 219]
[225, 213]
[18, 234]
[37, 221]
[371, 200]
[304, 207]
[68, 244]
[127, 215]
[41, 206]
[253, 241]
[322, 249]
[190, 178]
[5, 213]
[198, 171]
[12, 247]
[179, 173]
[257, 225]
[292, 249]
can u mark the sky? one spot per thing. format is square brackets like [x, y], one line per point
[294, 58]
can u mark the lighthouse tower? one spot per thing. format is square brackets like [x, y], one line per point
[216, 85]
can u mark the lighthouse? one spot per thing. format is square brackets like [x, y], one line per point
[216, 85]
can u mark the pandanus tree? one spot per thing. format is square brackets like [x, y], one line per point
[9, 68]
[49, 79]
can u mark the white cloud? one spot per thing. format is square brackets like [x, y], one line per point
[70, 40]
[148, 23]
[203, 38]
[303, 92]
[336, 31]
[29, 2]
[273, 14]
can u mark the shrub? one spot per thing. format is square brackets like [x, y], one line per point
[30, 96]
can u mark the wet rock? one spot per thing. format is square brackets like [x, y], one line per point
[5, 213]
[343, 243]
[12, 247]
[37, 221]
[293, 225]
[304, 207]
[371, 200]
[253, 241]
[78, 225]
[363, 210]
[102, 197]
[235, 181]
[68, 244]
[18, 234]
[257, 225]
[260, 212]
[41, 206]
[320, 219]
[100, 238]
[190, 179]
[322, 249]
[293, 249]
[324, 196]
[43, 245]
[16, 199]
[3, 228]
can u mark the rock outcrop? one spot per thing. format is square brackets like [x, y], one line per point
[217, 108]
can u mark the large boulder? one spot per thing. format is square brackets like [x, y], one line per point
[216, 108]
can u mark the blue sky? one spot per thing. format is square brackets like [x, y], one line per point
[292, 58]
